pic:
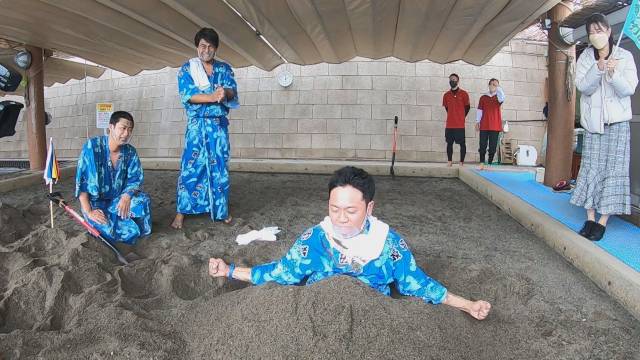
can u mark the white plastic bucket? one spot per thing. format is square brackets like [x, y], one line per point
[526, 155]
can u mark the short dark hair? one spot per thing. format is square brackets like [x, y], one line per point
[600, 19]
[596, 18]
[456, 75]
[209, 35]
[494, 79]
[355, 177]
[117, 115]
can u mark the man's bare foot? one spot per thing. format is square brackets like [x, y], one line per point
[481, 166]
[228, 221]
[177, 221]
[461, 163]
[449, 163]
[479, 309]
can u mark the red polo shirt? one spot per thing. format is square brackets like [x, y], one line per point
[491, 114]
[455, 103]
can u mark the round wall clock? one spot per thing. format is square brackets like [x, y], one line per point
[285, 78]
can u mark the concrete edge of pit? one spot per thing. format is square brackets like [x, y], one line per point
[317, 167]
[617, 279]
[33, 177]
[263, 166]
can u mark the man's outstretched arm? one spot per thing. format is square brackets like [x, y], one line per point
[412, 281]
[218, 268]
[478, 309]
[298, 263]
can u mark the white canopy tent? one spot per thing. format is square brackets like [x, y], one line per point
[131, 36]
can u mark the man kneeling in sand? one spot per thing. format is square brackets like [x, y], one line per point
[108, 184]
[350, 241]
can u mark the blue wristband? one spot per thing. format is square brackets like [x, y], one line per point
[231, 268]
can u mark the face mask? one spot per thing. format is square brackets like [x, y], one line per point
[453, 84]
[599, 41]
[347, 232]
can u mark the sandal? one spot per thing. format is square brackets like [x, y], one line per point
[562, 186]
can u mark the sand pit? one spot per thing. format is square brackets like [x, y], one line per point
[64, 296]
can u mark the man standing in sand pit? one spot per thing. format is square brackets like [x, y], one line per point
[208, 91]
[109, 181]
[350, 241]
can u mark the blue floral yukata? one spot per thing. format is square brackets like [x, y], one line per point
[203, 183]
[312, 257]
[105, 184]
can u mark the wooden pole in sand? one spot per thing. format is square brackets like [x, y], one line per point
[51, 203]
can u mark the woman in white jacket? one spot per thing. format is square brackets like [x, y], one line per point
[607, 78]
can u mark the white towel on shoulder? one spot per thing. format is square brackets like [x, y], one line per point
[198, 74]
[361, 248]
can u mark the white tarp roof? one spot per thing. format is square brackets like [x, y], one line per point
[130, 36]
[58, 70]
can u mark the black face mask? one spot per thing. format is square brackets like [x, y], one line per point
[453, 84]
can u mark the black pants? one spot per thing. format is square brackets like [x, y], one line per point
[492, 138]
[457, 136]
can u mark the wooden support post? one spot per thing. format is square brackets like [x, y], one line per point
[34, 114]
[561, 107]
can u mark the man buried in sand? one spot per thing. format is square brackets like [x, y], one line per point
[108, 184]
[350, 241]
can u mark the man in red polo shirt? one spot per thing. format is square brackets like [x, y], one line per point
[489, 120]
[456, 103]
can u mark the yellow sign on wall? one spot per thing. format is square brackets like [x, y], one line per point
[103, 113]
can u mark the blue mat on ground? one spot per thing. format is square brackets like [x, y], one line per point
[622, 239]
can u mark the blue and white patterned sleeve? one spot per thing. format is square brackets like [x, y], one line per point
[86, 175]
[135, 175]
[229, 82]
[300, 261]
[187, 88]
[410, 279]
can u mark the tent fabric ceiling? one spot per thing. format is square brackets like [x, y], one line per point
[57, 70]
[579, 17]
[130, 36]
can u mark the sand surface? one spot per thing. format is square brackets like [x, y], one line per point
[63, 296]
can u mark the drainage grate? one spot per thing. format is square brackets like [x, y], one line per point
[24, 164]
[16, 164]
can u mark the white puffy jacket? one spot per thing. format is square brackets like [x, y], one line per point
[598, 108]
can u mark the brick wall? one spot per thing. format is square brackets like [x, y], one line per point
[331, 111]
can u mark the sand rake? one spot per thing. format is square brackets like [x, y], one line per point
[57, 199]
[393, 147]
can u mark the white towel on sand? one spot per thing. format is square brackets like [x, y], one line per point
[266, 234]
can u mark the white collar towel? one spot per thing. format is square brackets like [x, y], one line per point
[363, 247]
[198, 74]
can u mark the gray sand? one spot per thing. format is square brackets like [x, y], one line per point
[63, 296]
[10, 173]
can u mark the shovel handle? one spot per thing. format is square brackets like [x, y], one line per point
[58, 200]
[81, 220]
